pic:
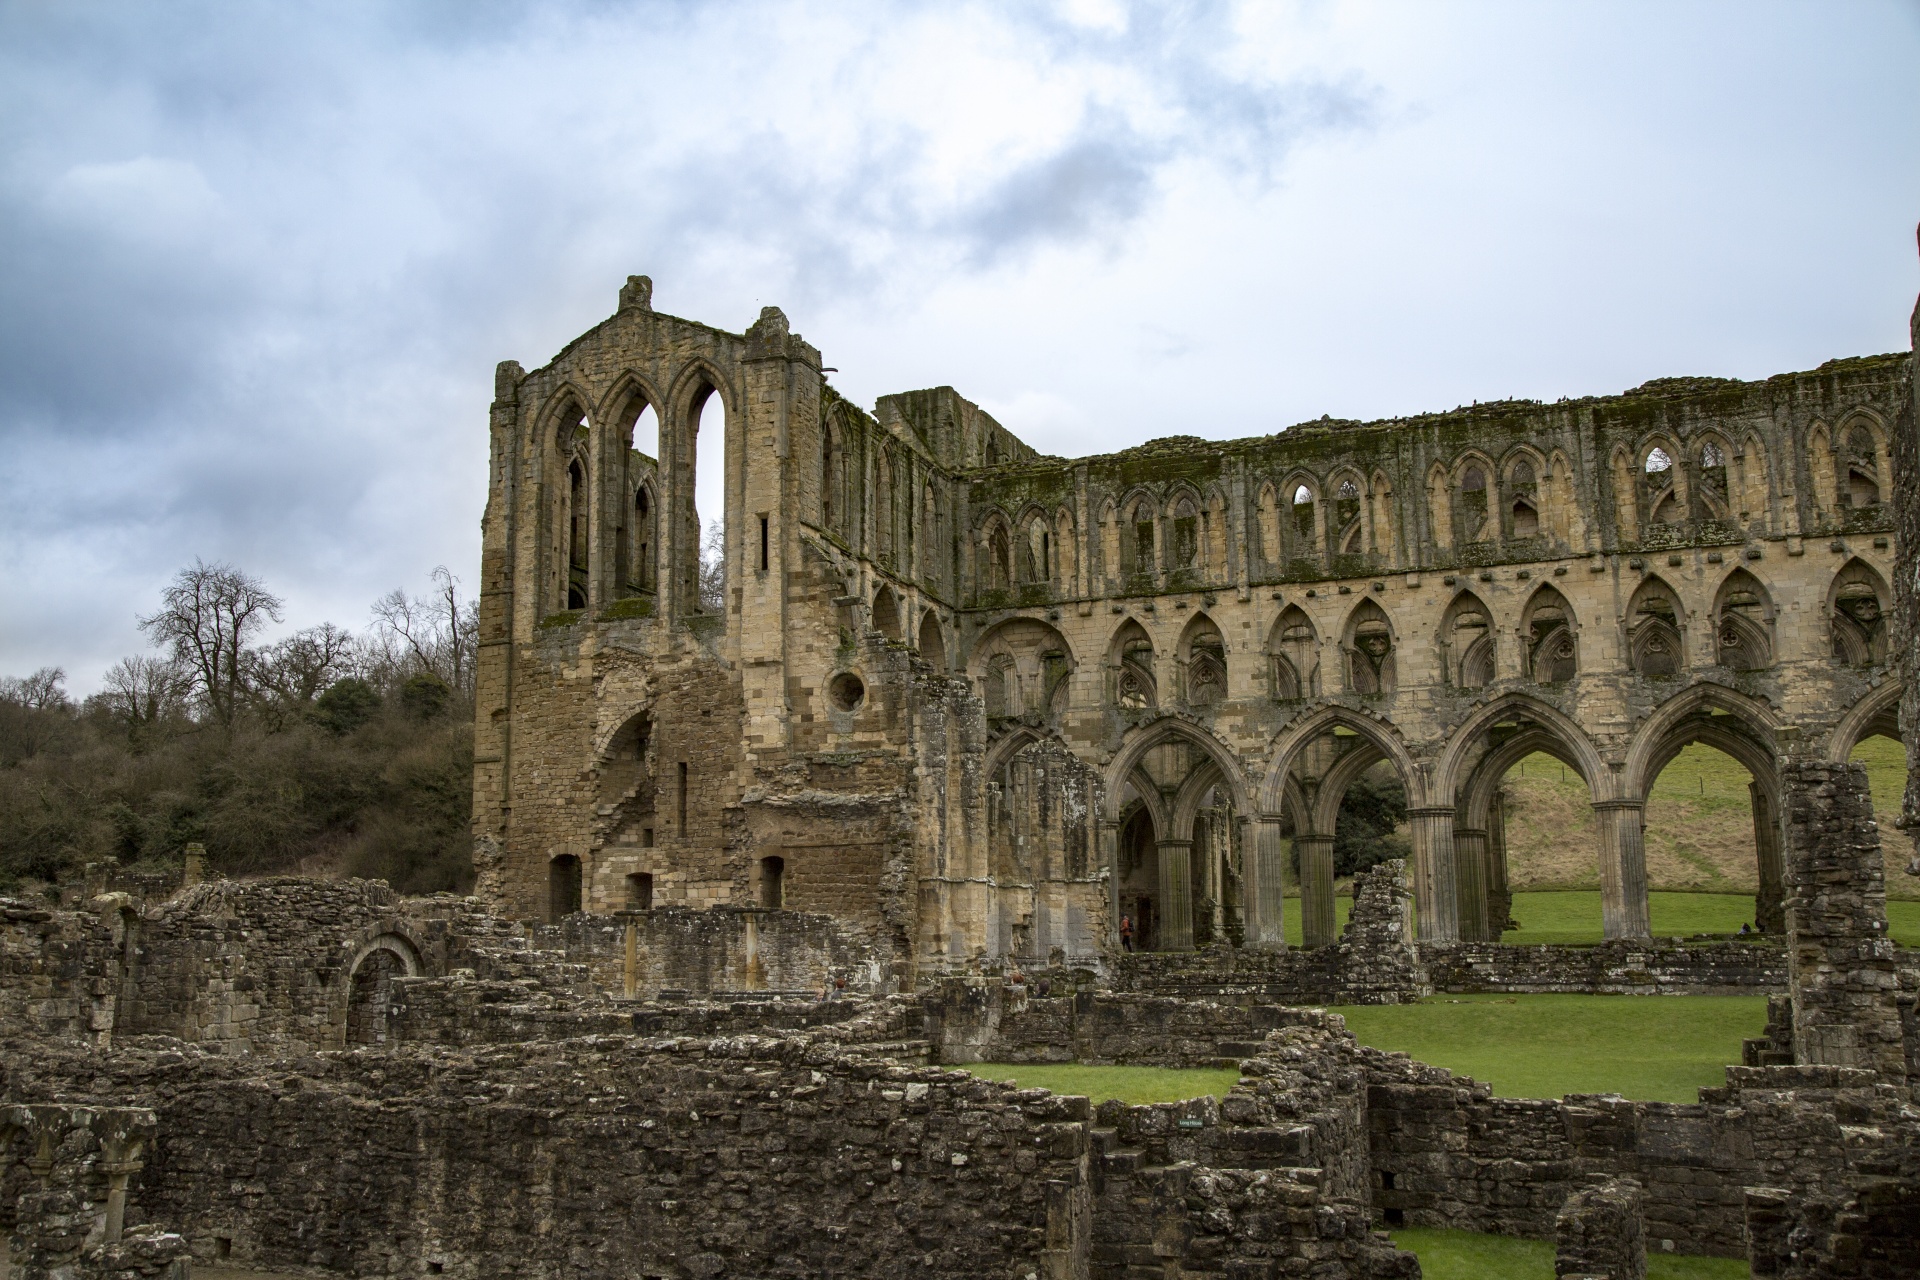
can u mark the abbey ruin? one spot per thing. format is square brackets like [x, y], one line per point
[766, 847]
[969, 701]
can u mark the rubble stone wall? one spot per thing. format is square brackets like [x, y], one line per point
[1619, 967]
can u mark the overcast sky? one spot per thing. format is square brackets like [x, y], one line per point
[257, 261]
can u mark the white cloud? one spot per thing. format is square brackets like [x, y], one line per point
[256, 263]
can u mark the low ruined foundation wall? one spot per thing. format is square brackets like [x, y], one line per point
[1618, 967]
[980, 1020]
[721, 951]
[612, 1157]
[1446, 1153]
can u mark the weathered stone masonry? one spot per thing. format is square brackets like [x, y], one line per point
[973, 702]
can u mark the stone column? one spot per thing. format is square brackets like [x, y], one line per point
[1435, 885]
[1108, 852]
[1499, 893]
[1841, 966]
[1767, 903]
[1317, 927]
[1470, 860]
[1623, 868]
[1174, 928]
[1266, 883]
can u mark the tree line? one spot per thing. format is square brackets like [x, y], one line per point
[328, 751]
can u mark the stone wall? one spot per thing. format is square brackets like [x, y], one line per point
[794, 1153]
[1620, 967]
[1374, 961]
[58, 973]
[1447, 1153]
[723, 950]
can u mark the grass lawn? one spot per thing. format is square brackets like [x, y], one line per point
[1468, 1255]
[1136, 1085]
[1658, 1048]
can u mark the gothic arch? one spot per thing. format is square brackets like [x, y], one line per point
[933, 642]
[1194, 788]
[1440, 506]
[1661, 479]
[1475, 497]
[1748, 734]
[1522, 477]
[1293, 656]
[1202, 654]
[1369, 645]
[1857, 607]
[1582, 755]
[1465, 640]
[886, 614]
[1291, 740]
[1656, 630]
[1711, 463]
[1130, 667]
[1335, 781]
[1550, 637]
[1475, 795]
[1743, 623]
[1876, 713]
[630, 395]
[1346, 530]
[1032, 662]
[1144, 738]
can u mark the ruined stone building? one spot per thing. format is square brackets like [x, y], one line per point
[958, 699]
[969, 700]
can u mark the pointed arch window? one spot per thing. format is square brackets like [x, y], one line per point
[1861, 487]
[1303, 516]
[1524, 512]
[1473, 505]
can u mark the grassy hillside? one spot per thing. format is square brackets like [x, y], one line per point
[1699, 823]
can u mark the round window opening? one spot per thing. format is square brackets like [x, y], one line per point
[846, 690]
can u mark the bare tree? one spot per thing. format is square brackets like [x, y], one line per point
[436, 633]
[206, 618]
[713, 569]
[142, 693]
[40, 691]
[283, 679]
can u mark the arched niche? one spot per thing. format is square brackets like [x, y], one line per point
[1521, 495]
[1743, 623]
[1183, 543]
[1712, 486]
[1343, 523]
[624, 781]
[369, 986]
[1369, 645]
[1023, 667]
[1473, 498]
[1551, 635]
[1661, 485]
[886, 614]
[1202, 654]
[933, 641]
[1857, 605]
[1293, 656]
[1655, 630]
[1130, 667]
[1466, 642]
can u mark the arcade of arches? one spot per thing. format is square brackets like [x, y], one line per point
[973, 702]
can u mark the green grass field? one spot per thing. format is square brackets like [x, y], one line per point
[1658, 1048]
[1468, 1255]
[1136, 1085]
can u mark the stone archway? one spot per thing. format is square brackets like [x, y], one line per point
[369, 987]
